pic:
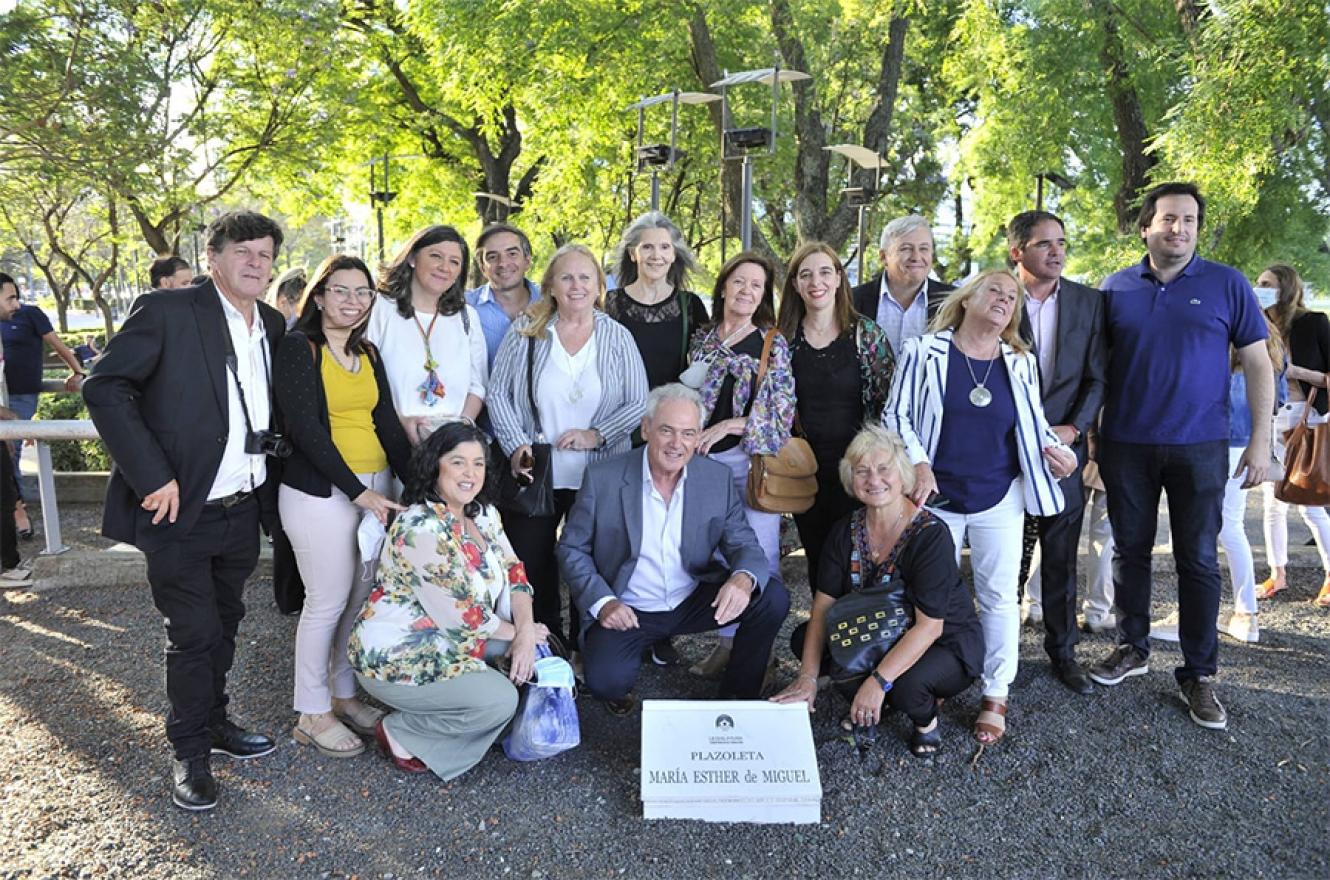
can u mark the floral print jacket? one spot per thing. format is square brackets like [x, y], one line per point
[437, 599]
[876, 364]
[772, 415]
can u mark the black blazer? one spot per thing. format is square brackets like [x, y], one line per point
[866, 297]
[315, 465]
[158, 397]
[1074, 394]
[1309, 347]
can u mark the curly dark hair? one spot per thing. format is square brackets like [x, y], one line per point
[422, 477]
[395, 276]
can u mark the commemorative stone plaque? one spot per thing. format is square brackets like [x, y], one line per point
[729, 761]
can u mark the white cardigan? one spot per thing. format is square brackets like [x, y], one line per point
[915, 407]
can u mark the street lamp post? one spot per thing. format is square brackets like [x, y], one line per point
[658, 156]
[858, 195]
[1060, 181]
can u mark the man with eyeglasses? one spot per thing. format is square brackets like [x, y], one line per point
[503, 255]
[903, 299]
[182, 398]
[1064, 323]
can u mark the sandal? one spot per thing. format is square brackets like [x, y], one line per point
[925, 743]
[991, 725]
[335, 740]
[1267, 588]
[1322, 599]
[356, 715]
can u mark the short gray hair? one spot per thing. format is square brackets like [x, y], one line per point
[673, 391]
[871, 438]
[903, 226]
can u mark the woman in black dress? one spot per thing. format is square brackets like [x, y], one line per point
[842, 372]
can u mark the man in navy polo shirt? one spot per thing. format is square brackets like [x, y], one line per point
[1170, 321]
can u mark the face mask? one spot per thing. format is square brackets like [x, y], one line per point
[1266, 296]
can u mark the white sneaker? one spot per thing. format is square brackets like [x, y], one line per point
[1243, 627]
[1098, 626]
[1166, 629]
[21, 576]
[1032, 615]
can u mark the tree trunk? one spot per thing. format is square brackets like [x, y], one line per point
[1128, 119]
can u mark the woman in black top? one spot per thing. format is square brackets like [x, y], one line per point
[942, 652]
[1306, 336]
[842, 371]
[334, 401]
[652, 265]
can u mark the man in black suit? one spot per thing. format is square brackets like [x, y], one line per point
[903, 299]
[182, 398]
[1064, 322]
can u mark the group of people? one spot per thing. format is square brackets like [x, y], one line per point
[938, 418]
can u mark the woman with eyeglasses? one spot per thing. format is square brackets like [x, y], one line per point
[334, 402]
[433, 343]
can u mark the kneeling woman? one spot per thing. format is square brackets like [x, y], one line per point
[942, 652]
[451, 598]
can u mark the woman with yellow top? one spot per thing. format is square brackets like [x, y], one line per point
[334, 401]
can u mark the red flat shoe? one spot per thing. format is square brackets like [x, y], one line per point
[406, 765]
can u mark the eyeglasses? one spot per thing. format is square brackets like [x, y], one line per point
[346, 294]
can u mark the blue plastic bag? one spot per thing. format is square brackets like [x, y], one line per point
[546, 720]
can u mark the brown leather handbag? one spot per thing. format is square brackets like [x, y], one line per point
[1306, 462]
[787, 481]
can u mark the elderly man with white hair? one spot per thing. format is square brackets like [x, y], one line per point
[903, 299]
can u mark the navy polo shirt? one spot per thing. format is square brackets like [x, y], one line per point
[22, 336]
[1168, 368]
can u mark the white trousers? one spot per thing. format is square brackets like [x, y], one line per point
[766, 525]
[1233, 538]
[1098, 602]
[1276, 511]
[995, 559]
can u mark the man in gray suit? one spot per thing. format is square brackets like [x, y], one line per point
[656, 545]
[1064, 322]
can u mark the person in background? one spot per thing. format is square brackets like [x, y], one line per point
[286, 292]
[90, 349]
[590, 391]
[432, 342]
[842, 367]
[503, 255]
[1306, 337]
[169, 273]
[742, 416]
[12, 571]
[347, 444]
[24, 334]
[903, 299]
[965, 400]
[451, 600]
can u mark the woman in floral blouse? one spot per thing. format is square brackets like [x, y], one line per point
[450, 596]
[743, 420]
[842, 367]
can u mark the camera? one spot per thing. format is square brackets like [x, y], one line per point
[267, 443]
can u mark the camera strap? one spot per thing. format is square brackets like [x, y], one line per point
[232, 364]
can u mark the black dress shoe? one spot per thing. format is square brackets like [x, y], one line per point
[192, 785]
[622, 707]
[663, 653]
[1074, 677]
[229, 738]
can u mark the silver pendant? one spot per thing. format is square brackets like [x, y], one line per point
[981, 396]
[575, 395]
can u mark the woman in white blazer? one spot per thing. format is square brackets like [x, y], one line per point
[965, 399]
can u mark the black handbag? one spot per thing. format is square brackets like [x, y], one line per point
[864, 624]
[535, 498]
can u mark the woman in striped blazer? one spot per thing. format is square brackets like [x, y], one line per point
[965, 399]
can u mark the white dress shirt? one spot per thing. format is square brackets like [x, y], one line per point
[240, 471]
[1044, 323]
[659, 582]
[898, 322]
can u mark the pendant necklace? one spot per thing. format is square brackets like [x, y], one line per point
[575, 393]
[979, 395]
[431, 389]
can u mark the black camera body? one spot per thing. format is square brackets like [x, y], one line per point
[267, 443]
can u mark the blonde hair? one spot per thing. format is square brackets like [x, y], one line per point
[872, 438]
[543, 310]
[952, 311]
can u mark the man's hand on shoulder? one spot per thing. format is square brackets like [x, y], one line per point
[617, 615]
[733, 597]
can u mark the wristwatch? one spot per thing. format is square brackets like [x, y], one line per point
[886, 685]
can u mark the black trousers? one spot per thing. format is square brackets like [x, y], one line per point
[830, 505]
[197, 584]
[8, 499]
[937, 675]
[613, 657]
[533, 539]
[1059, 541]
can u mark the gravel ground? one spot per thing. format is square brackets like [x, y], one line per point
[1118, 784]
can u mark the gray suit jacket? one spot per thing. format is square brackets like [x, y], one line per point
[1074, 394]
[603, 532]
